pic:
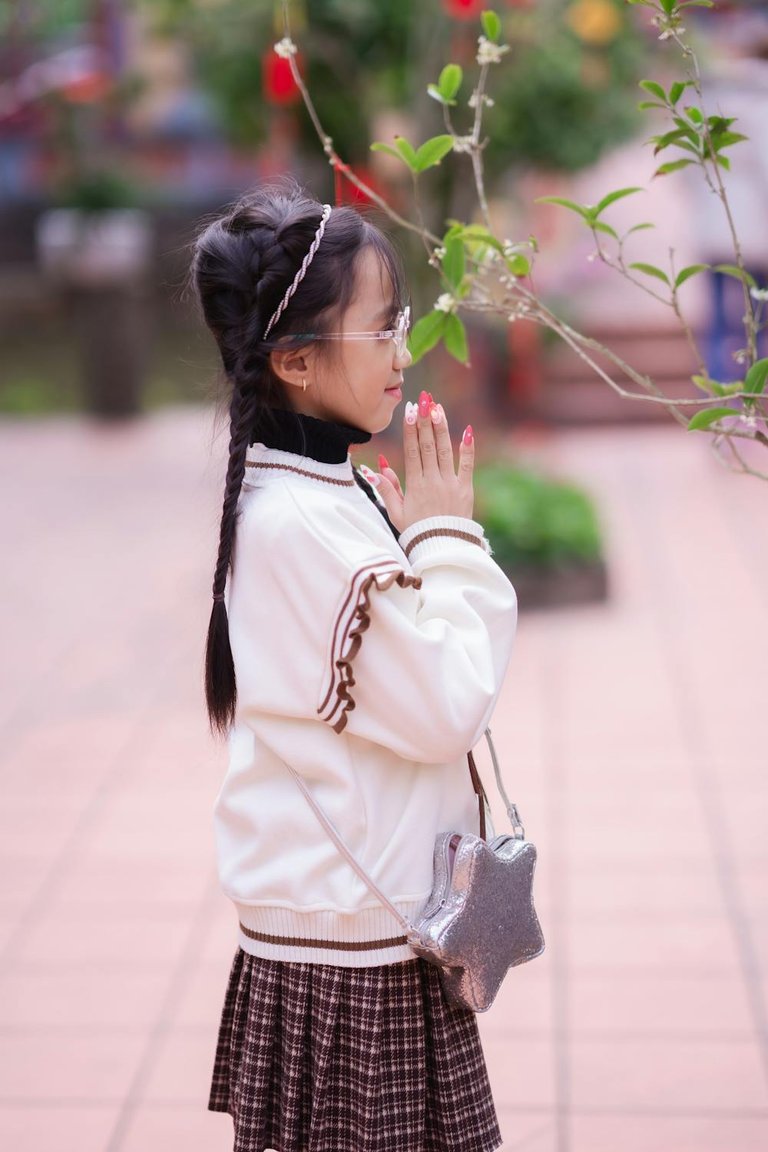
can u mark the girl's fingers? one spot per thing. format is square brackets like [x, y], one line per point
[467, 457]
[411, 452]
[443, 444]
[427, 445]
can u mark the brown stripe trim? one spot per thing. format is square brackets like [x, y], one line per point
[348, 638]
[442, 532]
[333, 945]
[301, 472]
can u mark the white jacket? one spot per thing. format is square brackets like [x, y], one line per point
[372, 667]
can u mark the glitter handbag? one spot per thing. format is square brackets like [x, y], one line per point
[479, 920]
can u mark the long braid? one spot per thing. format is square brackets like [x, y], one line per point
[220, 685]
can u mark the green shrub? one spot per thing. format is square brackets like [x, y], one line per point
[530, 519]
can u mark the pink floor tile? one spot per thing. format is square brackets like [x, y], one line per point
[632, 1132]
[525, 1131]
[153, 1128]
[690, 887]
[48, 1128]
[524, 1003]
[68, 1065]
[673, 943]
[522, 1076]
[82, 933]
[201, 1002]
[632, 1074]
[658, 1005]
[181, 1067]
[84, 995]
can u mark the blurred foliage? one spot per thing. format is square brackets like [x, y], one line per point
[532, 519]
[566, 92]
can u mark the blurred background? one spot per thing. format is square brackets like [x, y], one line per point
[628, 725]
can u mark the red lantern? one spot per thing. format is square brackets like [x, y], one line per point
[279, 84]
[464, 9]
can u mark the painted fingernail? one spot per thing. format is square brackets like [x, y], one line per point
[424, 403]
[370, 476]
[469, 436]
[411, 413]
[383, 463]
[436, 412]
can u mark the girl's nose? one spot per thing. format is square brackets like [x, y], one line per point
[402, 359]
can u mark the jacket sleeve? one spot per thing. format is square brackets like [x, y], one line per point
[405, 647]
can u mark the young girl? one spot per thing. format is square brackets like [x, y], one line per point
[359, 636]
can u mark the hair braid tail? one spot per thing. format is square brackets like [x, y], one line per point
[220, 685]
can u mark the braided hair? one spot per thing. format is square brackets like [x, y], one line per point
[242, 265]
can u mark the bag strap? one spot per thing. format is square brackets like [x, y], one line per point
[334, 835]
[371, 884]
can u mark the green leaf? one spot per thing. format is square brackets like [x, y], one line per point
[705, 384]
[583, 212]
[686, 273]
[454, 261]
[709, 416]
[519, 265]
[455, 338]
[432, 152]
[478, 233]
[726, 139]
[737, 273]
[639, 227]
[668, 6]
[599, 226]
[756, 377]
[450, 82]
[677, 90]
[377, 146]
[651, 270]
[654, 89]
[436, 94]
[407, 152]
[491, 25]
[695, 115]
[612, 197]
[426, 333]
[724, 162]
[651, 104]
[672, 166]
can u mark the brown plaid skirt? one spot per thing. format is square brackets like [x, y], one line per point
[323, 1058]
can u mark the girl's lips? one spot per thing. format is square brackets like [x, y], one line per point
[395, 392]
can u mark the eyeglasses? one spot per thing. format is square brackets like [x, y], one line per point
[399, 333]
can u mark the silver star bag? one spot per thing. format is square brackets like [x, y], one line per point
[479, 920]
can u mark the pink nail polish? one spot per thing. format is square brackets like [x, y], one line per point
[469, 436]
[383, 463]
[424, 403]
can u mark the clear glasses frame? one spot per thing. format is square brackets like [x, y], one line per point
[399, 333]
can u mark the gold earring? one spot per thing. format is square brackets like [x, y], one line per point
[303, 384]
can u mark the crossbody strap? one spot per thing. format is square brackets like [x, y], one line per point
[371, 884]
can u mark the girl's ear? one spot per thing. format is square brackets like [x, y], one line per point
[291, 365]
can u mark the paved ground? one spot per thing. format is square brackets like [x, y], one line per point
[632, 737]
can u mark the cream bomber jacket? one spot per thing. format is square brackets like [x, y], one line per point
[370, 665]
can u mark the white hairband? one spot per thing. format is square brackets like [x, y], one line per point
[301, 272]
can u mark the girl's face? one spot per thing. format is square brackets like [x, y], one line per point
[356, 382]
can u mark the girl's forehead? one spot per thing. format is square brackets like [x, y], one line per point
[373, 287]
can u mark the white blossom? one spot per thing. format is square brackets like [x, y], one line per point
[285, 48]
[488, 52]
[445, 303]
[489, 103]
[463, 143]
[759, 293]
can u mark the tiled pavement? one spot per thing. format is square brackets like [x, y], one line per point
[633, 738]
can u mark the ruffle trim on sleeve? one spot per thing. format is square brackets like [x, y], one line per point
[352, 621]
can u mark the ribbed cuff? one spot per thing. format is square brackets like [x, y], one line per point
[427, 537]
[361, 939]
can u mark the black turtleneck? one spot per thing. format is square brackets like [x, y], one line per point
[325, 440]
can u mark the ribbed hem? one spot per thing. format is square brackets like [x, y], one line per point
[361, 939]
[261, 461]
[429, 536]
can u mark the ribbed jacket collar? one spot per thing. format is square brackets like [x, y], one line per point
[325, 441]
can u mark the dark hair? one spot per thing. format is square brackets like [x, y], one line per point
[243, 263]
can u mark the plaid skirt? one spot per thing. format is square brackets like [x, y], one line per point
[323, 1058]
